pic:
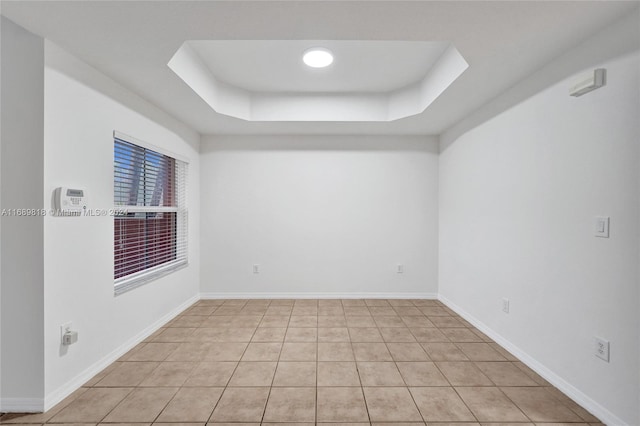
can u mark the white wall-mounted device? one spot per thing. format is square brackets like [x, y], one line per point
[602, 227]
[602, 348]
[69, 202]
[67, 335]
[592, 82]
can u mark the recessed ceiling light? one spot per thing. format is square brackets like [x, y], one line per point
[317, 57]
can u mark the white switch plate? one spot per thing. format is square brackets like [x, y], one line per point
[256, 269]
[602, 348]
[400, 269]
[602, 227]
[505, 305]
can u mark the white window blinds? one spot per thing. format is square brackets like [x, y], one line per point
[150, 224]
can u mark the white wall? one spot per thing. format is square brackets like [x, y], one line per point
[320, 215]
[21, 312]
[82, 109]
[518, 197]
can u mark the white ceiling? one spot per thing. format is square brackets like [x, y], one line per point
[359, 66]
[132, 41]
[261, 81]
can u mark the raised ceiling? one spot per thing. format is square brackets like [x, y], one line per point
[359, 66]
[258, 80]
[132, 42]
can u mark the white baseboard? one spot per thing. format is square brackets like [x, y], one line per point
[318, 295]
[65, 390]
[606, 416]
[21, 405]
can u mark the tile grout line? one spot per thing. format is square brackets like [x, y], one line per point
[451, 384]
[355, 361]
[317, 361]
[174, 395]
[266, 403]
[181, 386]
[402, 377]
[230, 376]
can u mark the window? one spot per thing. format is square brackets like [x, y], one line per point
[150, 221]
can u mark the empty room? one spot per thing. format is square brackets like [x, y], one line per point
[357, 213]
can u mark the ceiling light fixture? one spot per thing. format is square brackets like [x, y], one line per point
[317, 57]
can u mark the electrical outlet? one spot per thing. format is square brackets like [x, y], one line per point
[602, 348]
[505, 305]
[64, 328]
[256, 269]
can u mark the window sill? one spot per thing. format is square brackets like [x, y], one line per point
[125, 284]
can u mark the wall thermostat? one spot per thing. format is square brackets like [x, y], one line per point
[69, 201]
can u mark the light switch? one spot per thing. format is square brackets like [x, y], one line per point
[602, 227]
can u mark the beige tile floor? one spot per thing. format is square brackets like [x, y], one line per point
[315, 361]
